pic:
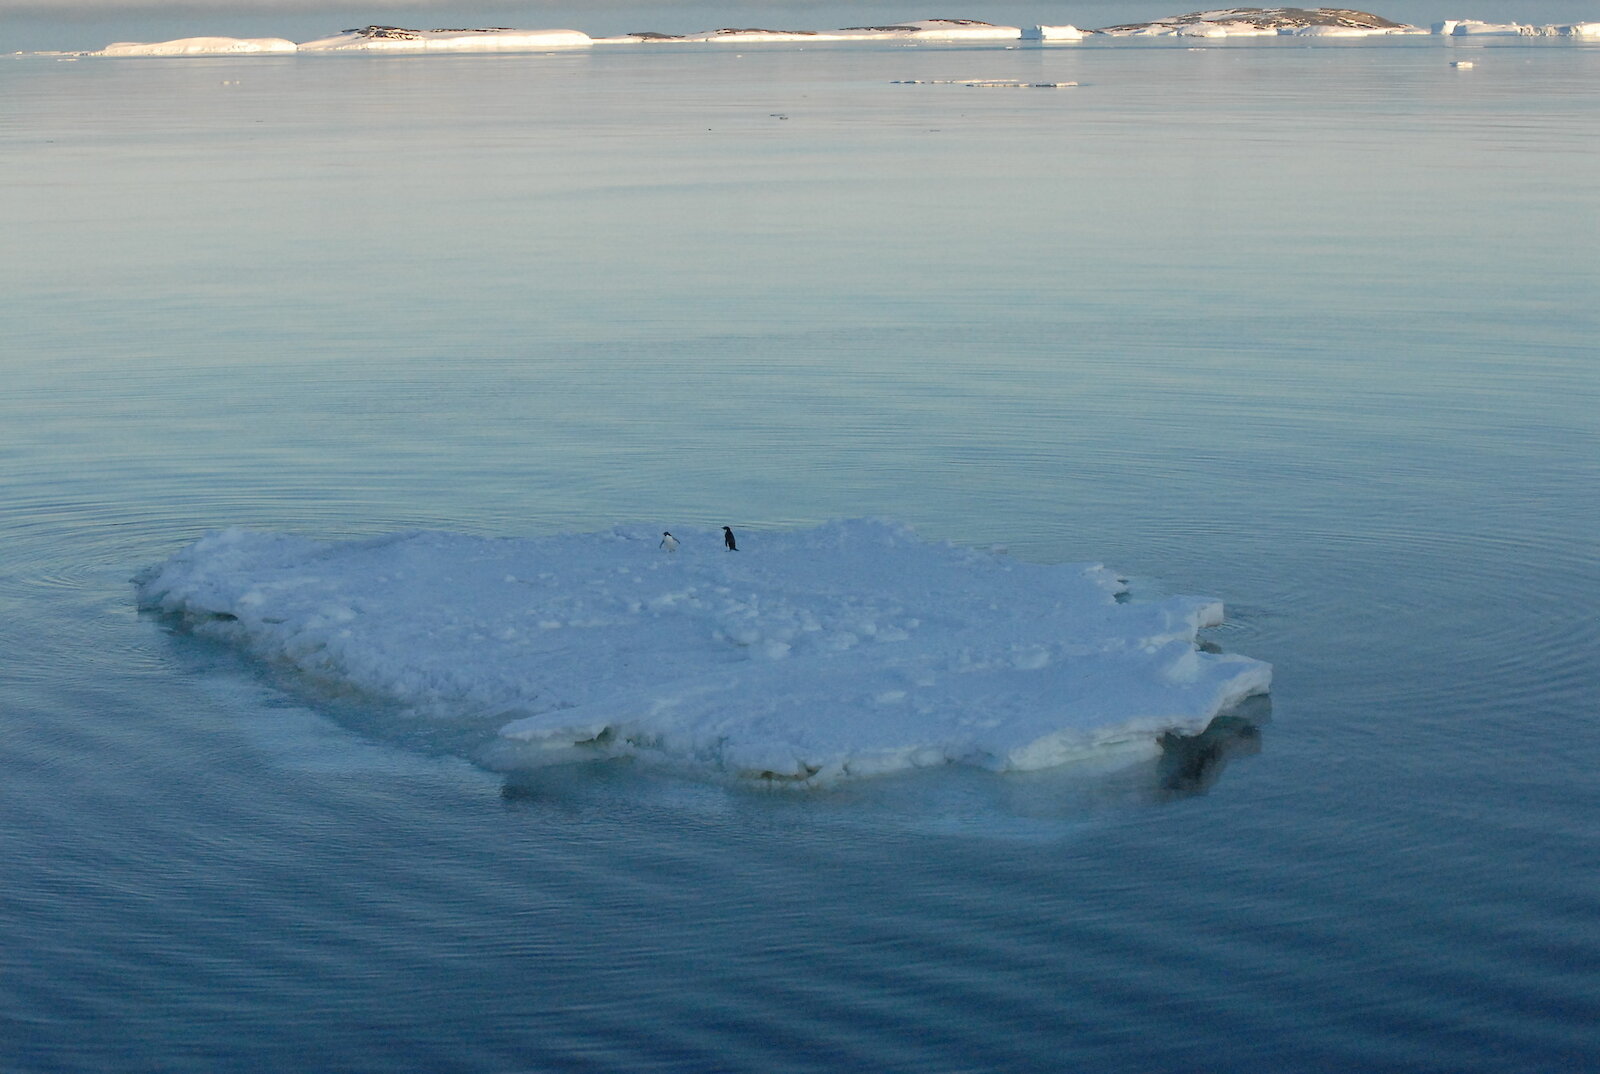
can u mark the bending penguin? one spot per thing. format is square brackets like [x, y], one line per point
[727, 539]
[668, 541]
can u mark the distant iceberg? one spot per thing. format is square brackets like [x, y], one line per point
[1475, 28]
[199, 46]
[489, 39]
[807, 657]
[1053, 33]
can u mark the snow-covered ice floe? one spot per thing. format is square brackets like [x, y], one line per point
[490, 39]
[849, 649]
[200, 46]
[916, 30]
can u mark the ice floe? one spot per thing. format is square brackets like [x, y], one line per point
[849, 649]
[200, 46]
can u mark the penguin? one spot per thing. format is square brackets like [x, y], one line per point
[668, 541]
[727, 539]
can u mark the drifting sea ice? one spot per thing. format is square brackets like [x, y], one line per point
[850, 649]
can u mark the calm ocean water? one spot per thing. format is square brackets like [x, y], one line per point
[1310, 329]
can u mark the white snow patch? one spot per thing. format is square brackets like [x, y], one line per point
[199, 46]
[852, 648]
[397, 39]
[1053, 33]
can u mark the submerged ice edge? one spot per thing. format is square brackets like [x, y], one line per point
[805, 657]
[1343, 24]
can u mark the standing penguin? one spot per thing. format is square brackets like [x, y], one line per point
[727, 539]
[668, 541]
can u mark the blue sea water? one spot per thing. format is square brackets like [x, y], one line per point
[1308, 328]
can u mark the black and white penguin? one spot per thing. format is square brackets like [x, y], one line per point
[727, 539]
[668, 541]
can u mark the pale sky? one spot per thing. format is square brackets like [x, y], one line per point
[66, 9]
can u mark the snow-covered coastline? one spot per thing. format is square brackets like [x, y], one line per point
[491, 39]
[1264, 22]
[200, 46]
[807, 657]
[963, 30]
[1230, 23]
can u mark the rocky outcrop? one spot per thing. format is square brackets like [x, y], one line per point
[1247, 20]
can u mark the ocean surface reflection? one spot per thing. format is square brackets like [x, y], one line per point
[1308, 329]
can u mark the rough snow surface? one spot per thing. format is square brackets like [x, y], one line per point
[849, 649]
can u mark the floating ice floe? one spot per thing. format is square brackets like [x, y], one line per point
[200, 46]
[849, 649]
[490, 39]
[916, 30]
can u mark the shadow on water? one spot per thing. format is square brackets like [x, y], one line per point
[1192, 764]
[946, 800]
